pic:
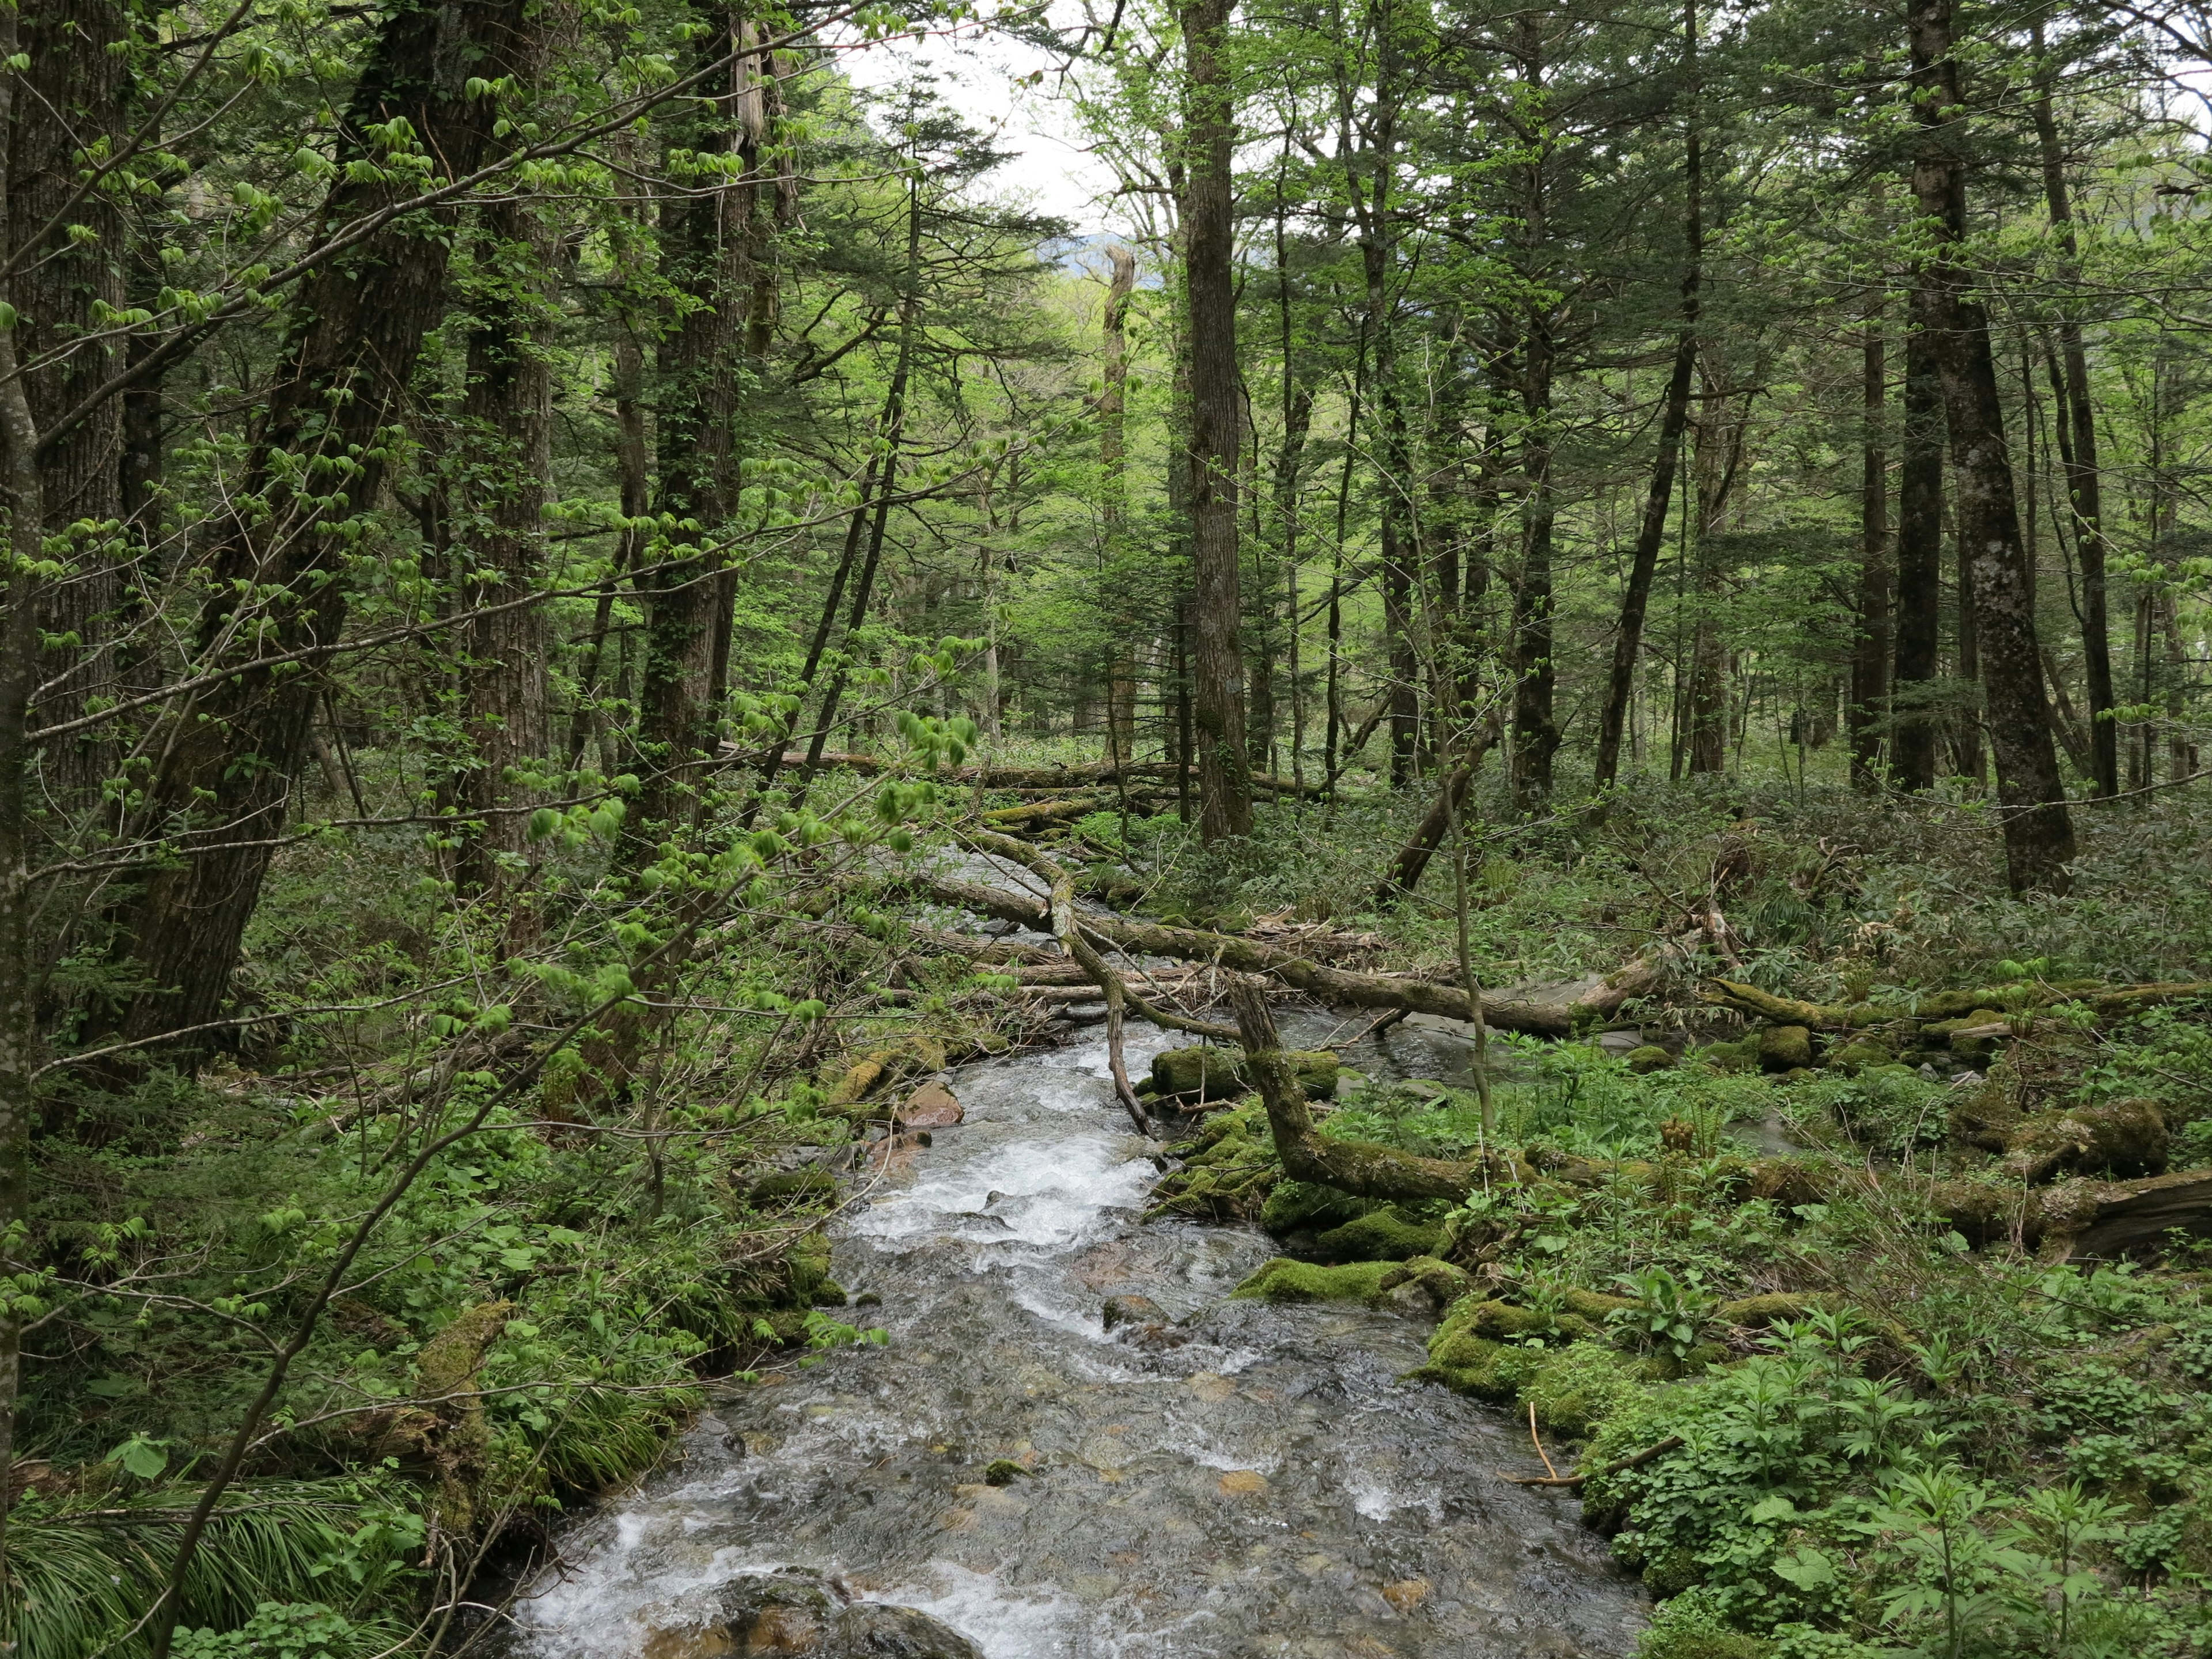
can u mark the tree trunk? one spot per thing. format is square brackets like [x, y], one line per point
[507, 438]
[2076, 425]
[706, 253]
[1114, 507]
[72, 102]
[357, 328]
[1535, 733]
[2038, 832]
[1651, 531]
[1919, 554]
[1872, 641]
[1225, 780]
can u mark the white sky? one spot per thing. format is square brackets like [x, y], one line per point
[976, 71]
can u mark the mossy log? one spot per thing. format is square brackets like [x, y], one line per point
[2080, 1219]
[2121, 1139]
[2110, 1002]
[1222, 1073]
[1360, 1168]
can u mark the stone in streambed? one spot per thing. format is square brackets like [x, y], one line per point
[933, 1106]
[796, 1614]
[1132, 1311]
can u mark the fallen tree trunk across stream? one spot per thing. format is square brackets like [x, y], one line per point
[1557, 1012]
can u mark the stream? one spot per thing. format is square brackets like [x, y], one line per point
[1239, 1479]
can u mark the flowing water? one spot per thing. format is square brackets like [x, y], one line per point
[1241, 1479]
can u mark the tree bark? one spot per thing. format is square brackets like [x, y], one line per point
[2078, 439]
[506, 437]
[1218, 689]
[1114, 507]
[357, 328]
[1651, 531]
[71, 102]
[2038, 832]
[1872, 641]
[1919, 554]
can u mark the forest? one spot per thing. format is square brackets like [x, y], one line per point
[1490, 821]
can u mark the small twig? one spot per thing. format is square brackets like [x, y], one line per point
[1635, 1461]
[1539, 1441]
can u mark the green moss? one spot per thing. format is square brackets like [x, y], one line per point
[1858, 1056]
[1576, 1389]
[1648, 1058]
[1002, 1472]
[1763, 1311]
[830, 1294]
[1285, 1280]
[1383, 1235]
[793, 1184]
[1303, 1207]
[1729, 1056]
[1785, 1047]
[1691, 1626]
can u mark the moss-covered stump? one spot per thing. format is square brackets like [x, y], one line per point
[1381, 1235]
[1210, 1074]
[1285, 1280]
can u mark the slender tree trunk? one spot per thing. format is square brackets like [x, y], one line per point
[2038, 832]
[358, 326]
[1113, 507]
[1872, 641]
[2076, 426]
[1919, 555]
[1651, 530]
[1536, 734]
[1225, 785]
[22, 603]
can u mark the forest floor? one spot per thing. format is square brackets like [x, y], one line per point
[1885, 1416]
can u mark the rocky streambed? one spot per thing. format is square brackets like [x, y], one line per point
[1009, 1476]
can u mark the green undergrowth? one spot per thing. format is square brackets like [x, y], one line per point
[1818, 1421]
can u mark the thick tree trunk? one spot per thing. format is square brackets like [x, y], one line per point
[357, 329]
[703, 236]
[1217, 699]
[1919, 555]
[71, 102]
[1871, 642]
[2039, 832]
[506, 440]
[2077, 443]
[1651, 531]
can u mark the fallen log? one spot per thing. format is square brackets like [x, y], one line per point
[1359, 1167]
[2109, 1000]
[2080, 1219]
[1556, 1016]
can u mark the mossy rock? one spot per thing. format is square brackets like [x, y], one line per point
[1306, 1207]
[1285, 1280]
[830, 1294]
[1729, 1056]
[1443, 1283]
[1468, 1365]
[806, 1274]
[1785, 1047]
[1219, 1073]
[1857, 1056]
[793, 1185]
[1597, 1306]
[1383, 1235]
[1504, 1321]
[1575, 1388]
[2118, 1138]
[1648, 1058]
[1968, 1036]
